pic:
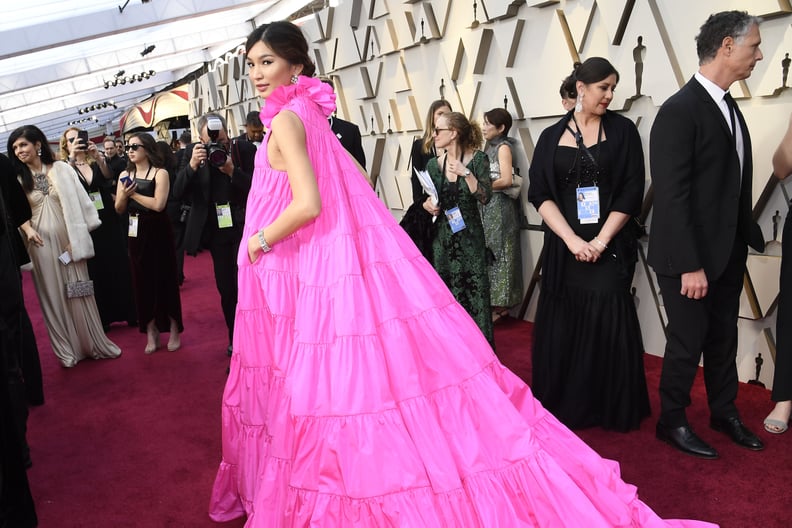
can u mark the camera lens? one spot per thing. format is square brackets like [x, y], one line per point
[217, 156]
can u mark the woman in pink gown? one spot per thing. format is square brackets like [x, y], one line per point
[360, 392]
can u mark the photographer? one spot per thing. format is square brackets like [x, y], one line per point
[213, 181]
[116, 160]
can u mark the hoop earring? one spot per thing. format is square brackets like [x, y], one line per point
[579, 103]
[294, 79]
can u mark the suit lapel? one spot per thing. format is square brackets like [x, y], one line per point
[711, 107]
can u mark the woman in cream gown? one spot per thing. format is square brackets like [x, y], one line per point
[63, 216]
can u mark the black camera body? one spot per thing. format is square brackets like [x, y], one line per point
[216, 153]
[184, 212]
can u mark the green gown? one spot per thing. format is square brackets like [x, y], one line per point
[461, 259]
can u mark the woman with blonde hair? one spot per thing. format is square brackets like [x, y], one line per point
[416, 221]
[109, 268]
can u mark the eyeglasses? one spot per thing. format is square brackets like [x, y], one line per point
[133, 146]
[436, 131]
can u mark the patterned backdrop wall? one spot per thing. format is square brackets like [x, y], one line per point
[390, 60]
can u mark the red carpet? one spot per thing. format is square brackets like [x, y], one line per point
[135, 441]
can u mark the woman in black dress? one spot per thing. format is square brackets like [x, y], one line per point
[778, 420]
[416, 221]
[587, 180]
[109, 268]
[143, 191]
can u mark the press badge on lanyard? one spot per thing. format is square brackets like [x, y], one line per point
[224, 215]
[455, 220]
[588, 205]
[133, 226]
[96, 198]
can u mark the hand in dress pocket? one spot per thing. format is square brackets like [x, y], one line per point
[253, 249]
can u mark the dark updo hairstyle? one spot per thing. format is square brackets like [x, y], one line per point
[150, 146]
[593, 70]
[568, 90]
[33, 135]
[499, 117]
[287, 41]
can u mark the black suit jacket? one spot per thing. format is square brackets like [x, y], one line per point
[243, 152]
[194, 187]
[117, 165]
[16, 211]
[349, 136]
[702, 203]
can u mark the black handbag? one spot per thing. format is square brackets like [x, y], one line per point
[417, 223]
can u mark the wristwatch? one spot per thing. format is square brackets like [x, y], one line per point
[263, 243]
[467, 172]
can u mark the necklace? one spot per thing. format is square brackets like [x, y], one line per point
[80, 163]
[40, 180]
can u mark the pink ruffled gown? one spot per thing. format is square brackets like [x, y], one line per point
[361, 394]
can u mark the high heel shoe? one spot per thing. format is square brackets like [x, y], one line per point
[775, 422]
[497, 315]
[774, 426]
[174, 342]
[153, 342]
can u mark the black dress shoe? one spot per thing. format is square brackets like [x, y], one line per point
[737, 431]
[684, 439]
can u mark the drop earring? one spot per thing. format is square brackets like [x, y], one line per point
[579, 103]
[38, 153]
[294, 79]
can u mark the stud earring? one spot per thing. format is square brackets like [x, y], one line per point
[579, 103]
[294, 79]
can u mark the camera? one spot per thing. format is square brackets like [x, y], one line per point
[184, 211]
[216, 153]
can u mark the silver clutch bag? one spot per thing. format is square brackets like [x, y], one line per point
[79, 289]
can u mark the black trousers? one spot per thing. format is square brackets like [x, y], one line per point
[223, 244]
[782, 377]
[705, 327]
[16, 502]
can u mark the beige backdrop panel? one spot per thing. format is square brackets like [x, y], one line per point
[401, 56]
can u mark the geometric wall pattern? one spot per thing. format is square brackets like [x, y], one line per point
[390, 59]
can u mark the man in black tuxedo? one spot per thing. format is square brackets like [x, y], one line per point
[348, 134]
[115, 159]
[216, 185]
[701, 167]
[254, 129]
[16, 503]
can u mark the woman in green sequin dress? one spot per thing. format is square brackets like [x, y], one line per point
[501, 216]
[459, 252]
